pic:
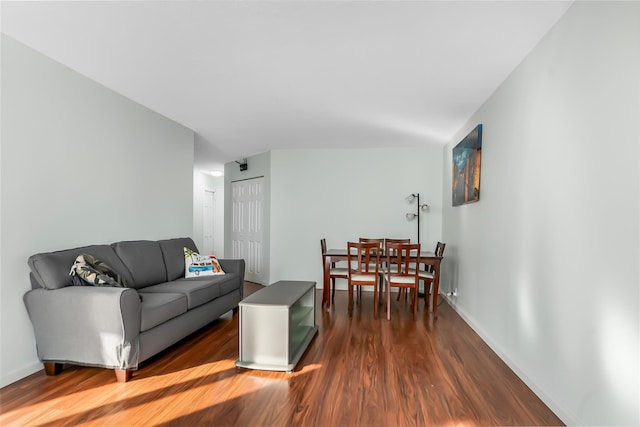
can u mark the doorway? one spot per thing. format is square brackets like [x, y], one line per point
[213, 222]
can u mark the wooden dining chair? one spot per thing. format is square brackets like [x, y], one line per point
[402, 272]
[428, 274]
[364, 270]
[334, 272]
[387, 242]
[380, 242]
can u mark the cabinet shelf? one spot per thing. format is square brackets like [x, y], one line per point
[299, 314]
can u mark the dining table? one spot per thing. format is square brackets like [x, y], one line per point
[336, 255]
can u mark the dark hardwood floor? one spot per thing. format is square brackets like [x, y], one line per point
[358, 371]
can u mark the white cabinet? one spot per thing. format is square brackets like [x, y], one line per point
[277, 324]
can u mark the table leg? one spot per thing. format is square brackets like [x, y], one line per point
[326, 283]
[436, 285]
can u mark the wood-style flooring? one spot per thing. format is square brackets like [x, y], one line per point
[358, 371]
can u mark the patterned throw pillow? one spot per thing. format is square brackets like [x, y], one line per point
[89, 270]
[197, 265]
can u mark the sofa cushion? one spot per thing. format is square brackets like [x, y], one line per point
[51, 269]
[228, 286]
[157, 308]
[173, 253]
[144, 261]
[199, 290]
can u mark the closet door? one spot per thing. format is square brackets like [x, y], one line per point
[247, 198]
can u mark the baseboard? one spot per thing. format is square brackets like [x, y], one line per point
[567, 418]
[19, 374]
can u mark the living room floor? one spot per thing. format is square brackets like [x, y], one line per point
[358, 371]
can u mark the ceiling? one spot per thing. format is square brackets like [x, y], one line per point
[252, 76]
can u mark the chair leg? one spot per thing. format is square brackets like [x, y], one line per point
[350, 304]
[402, 292]
[375, 300]
[333, 290]
[414, 302]
[388, 300]
[427, 292]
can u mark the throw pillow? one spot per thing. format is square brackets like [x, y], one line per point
[196, 265]
[89, 270]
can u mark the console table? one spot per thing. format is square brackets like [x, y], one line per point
[277, 324]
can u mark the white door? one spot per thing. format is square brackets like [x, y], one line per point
[208, 217]
[218, 222]
[247, 199]
[213, 222]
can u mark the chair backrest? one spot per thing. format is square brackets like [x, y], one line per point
[387, 242]
[380, 242]
[439, 252]
[364, 257]
[405, 257]
[323, 251]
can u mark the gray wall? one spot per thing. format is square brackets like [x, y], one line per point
[80, 164]
[546, 263]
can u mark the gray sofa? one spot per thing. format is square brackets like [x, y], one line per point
[118, 328]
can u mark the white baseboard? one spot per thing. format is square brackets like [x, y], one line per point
[19, 374]
[567, 418]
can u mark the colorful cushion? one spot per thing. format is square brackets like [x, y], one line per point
[89, 270]
[196, 265]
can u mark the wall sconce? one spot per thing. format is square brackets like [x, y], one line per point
[419, 207]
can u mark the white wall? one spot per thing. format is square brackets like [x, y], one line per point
[338, 195]
[546, 263]
[342, 195]
[80, 165]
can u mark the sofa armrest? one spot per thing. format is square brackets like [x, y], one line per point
[233, 266]
[86, 325]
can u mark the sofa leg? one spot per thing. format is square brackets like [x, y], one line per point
[122, 375]
[52, 368]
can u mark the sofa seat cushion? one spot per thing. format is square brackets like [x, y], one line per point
[229, 283]
[199, 290]
[159, 307]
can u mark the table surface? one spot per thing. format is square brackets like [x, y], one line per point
[280, 294]
[343, 252]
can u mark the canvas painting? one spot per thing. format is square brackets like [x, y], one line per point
[466, 168]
